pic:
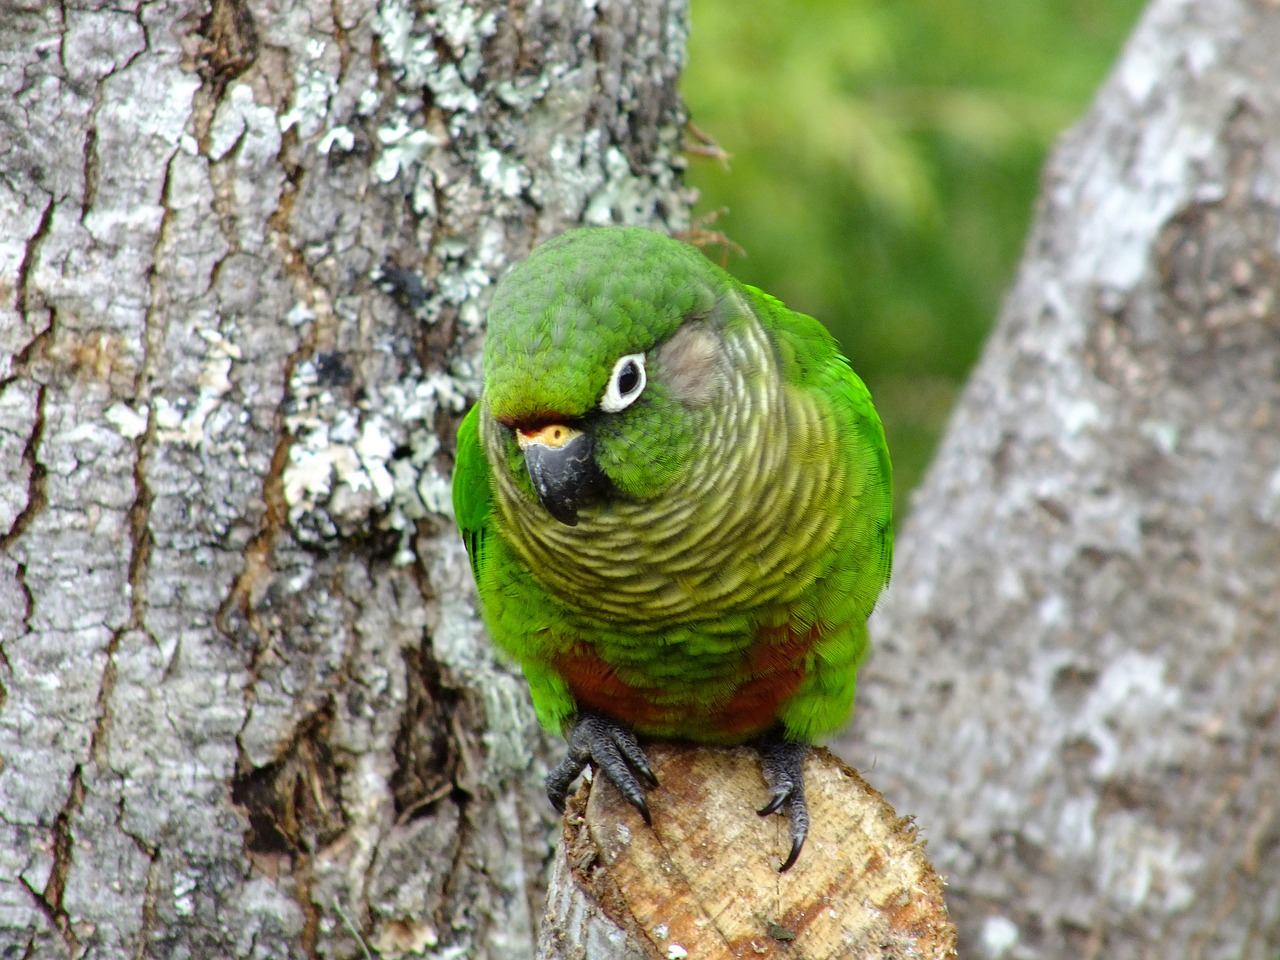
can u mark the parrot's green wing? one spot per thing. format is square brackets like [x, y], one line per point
[511, 625]
[472, 492]
[810, 359]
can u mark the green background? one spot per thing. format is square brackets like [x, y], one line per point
[883, 165]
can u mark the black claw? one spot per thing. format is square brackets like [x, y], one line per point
[775, 802]
[630, 749]
[561, 778]
[797, 843]
[639, 803]
[615, 752]
[782, 763]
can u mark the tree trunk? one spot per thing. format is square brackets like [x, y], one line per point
[1076, 687]
[245, 707]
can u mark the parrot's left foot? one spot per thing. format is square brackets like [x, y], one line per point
[616, 753]
[782, 763]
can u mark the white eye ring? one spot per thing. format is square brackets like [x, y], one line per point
[628, 372]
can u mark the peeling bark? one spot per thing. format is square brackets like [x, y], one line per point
[245, 709]
[1076, 682]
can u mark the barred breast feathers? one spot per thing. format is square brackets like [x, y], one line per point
[745, 527]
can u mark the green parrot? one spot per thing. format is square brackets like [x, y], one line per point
[675, 495]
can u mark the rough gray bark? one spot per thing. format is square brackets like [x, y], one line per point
[1076, 687]
[245, 709]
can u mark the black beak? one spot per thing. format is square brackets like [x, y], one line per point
[565, 477]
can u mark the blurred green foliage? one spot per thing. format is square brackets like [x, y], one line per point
[883, 165]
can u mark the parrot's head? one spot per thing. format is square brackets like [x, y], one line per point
[604, 357]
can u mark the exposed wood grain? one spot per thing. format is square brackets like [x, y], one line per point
[703, 882]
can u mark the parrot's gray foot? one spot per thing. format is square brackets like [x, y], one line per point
[782, 762]
[615, 752]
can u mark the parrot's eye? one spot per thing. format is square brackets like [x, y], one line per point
[625, 383]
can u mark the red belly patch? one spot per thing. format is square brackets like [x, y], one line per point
[771, 671]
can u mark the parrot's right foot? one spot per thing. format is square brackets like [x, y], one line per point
[615, 752]
[782, 763]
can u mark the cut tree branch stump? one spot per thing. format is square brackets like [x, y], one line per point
[704, 883]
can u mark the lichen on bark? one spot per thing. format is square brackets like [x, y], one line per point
[246, 709]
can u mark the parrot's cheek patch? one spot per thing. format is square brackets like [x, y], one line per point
[564, 477]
